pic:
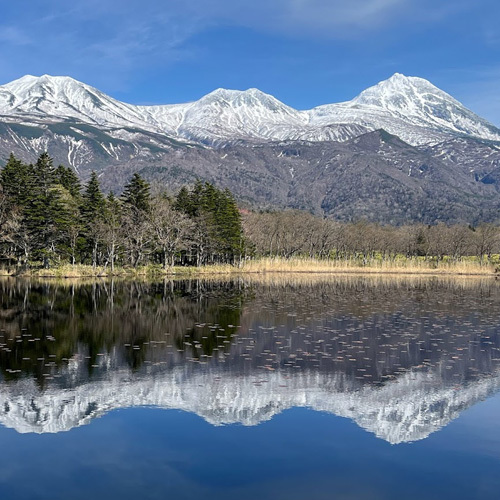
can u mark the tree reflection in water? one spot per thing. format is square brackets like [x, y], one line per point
[334, 344]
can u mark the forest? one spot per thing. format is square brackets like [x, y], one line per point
[47, 218]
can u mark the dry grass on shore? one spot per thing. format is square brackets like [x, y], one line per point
[399, 266]
[465, 267]
[81, 271]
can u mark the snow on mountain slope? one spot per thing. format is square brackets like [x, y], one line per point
[406, 409]
[230, 115]
[409, 107]
[60, 97]
[224, 114]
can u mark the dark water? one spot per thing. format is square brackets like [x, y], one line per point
[348, 388]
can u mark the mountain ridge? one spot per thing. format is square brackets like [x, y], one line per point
[339, 160]
[409, 107]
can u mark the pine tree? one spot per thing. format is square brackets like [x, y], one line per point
[66, 177]
[44, 211]
[66, 217]
[93, 200]
[92, 211]
[183, 202]
[218, 232]
[196, 199]
[137, 194]
[17, 179]
[52, 218]
[136, 200]
[44, 173]
[229, 226]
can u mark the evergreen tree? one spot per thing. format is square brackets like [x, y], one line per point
[197, 195]
[136, 199]
[66, 214]
[137, 194]
[183, 202]
[209, 205]
[17, 179]
[189, 202]
[93, 200]
[53, 219]
[66, 177]
[229, 226]
[112, 201]
[92, 212]
[44, 175]
[44, 213]
[217, 221]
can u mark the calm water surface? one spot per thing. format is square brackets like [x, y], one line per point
[345, 388]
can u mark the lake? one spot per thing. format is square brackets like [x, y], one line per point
[266, 387]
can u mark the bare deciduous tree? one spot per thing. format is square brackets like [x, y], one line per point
[170, 229]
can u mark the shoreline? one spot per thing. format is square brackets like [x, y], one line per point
[282, 268]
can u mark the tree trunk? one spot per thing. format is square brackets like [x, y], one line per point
[94, 255]
[112, 256]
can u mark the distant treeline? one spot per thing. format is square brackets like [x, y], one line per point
[293, 233]
[47, 217]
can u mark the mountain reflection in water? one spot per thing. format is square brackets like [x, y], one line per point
[401, 358]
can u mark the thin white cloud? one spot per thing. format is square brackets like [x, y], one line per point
[108, 39]
[363, 14]
[327, 19]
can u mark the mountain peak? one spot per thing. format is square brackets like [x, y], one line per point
[231, 93]
[409, 107]
[399, 77]
[242, 113]
[403, 81]
[419, 103]
[40, 93]
[398, 88]
[250, 97]
[59, 98]
[28, 81]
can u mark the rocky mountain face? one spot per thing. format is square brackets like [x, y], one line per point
[402, 150]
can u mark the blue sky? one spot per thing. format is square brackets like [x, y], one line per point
[305, 52]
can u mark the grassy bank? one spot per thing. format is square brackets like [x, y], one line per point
[467, 266]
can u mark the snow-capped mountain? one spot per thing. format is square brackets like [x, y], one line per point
[224, 113]
[230, 115]
[335, 160]
[406, 409]
[411, 108]
[58, 98]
